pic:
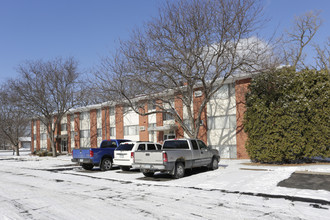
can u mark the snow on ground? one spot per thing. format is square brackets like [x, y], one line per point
[55, 188]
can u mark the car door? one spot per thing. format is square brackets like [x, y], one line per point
[196, 154]
[205, 154]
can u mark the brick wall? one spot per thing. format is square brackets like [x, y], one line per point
[93, 127]
[143, 121]
[119, 115]
[77, 130]
[32, 136]
[241, 88]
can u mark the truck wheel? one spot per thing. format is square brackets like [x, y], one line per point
[125, 168]
[214, 164]
[179, 171]
[106, 164]
[148, 174]
[87, 166]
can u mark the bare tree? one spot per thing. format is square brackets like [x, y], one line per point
[48, 90]
[191, 45]
[13, 119]
[323, 56]
[301, 34]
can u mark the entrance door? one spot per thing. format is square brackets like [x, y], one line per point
[64, 146]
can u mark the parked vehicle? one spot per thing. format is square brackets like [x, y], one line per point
[102, 156]
[124, 154]
[175, 157]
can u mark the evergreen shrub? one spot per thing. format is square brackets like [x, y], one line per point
[288, 116]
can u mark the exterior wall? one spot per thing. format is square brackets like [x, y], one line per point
[99, 126]
[38, 134]
[179, 109]
[222, 126]
[32, 136]
[143, 123]
[159, 122]
[241, 89]
[68, 122]
[93, 128]
[77, 130]
[119, 122]
[221, 111]
[197, 101]
[131, 119]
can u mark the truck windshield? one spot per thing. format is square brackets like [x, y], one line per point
[176, 144]
[125, 147]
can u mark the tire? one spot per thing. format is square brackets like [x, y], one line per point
[125, 168]
[179, 171]
[87, 166]
[106, 164]
[148, 174]
[214, 165]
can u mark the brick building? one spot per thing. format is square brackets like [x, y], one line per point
[222, 126]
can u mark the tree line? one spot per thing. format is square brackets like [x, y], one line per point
[190, 45]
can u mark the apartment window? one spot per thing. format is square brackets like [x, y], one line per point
[99, 132]
[222, 93]
[84, 116]
[221, 122]
[131, 130]
[64, 127]
[98, 113]
[112, 111]
[152, 125]
[43, 136]
[112, 131]
[84, 134]
[167, 116]
[152, 105]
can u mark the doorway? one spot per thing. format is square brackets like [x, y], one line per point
[64, 145]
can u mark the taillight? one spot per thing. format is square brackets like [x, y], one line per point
[91, 153]
[165, 157]
[132, 155]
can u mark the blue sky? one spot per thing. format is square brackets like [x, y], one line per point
[91, 29]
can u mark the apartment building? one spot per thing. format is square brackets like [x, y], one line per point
[221, 127]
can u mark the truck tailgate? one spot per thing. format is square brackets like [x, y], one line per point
[80, 153]
[148, 157]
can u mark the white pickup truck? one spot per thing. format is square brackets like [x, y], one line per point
[175, 157]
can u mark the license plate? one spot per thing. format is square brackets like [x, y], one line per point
[81, 160]
[121, 156]
[145, 166]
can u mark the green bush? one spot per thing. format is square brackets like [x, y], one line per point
[288, 115]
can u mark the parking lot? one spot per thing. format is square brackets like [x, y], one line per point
[54, 188]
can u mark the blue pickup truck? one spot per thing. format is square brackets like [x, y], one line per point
[102, 156]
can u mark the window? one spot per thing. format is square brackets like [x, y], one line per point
[152, 125]
[112, 111]
[98, 113]
[201, 144]
[112, 131]
[84, 115]
[159, 146]
[43, 136]
[84, 134]
[151, 147]
[131, 130]
[63, 127]
[34, 137]
[194, 144]
[99, 132]
[221, 122]
[222, 93]
[108, 144]
[125, 147]
[152, 105]
[142, 147]
[176, 144]
[167, 116]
